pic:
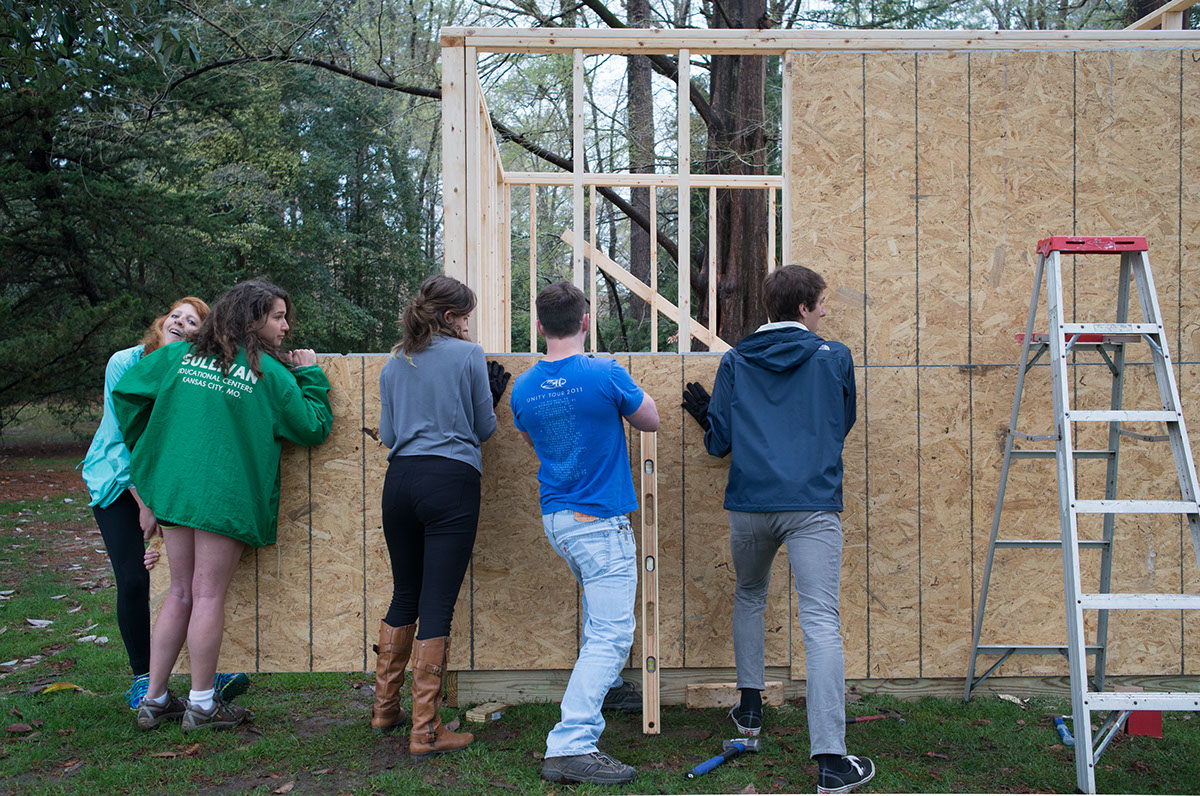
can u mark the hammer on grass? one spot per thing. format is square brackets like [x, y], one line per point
[729, 750]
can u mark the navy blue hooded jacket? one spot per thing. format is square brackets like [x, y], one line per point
[783, 403]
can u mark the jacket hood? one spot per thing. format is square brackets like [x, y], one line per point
[780, 350]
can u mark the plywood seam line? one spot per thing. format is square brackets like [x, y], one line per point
[866, 379]
[917, 302]
[257, 617]
[1179, 348]
[970, 329]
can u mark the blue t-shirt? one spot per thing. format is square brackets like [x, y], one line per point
[572, 409]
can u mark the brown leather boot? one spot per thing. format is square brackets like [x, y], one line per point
[392, 654]
[429, 736]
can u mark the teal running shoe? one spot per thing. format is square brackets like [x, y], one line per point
[230, 685]
[138, 690]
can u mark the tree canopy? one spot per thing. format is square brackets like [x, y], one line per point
[157, 149]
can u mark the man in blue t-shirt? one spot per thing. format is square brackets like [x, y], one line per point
[569, 406]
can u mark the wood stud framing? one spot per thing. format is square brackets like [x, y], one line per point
[684, 170]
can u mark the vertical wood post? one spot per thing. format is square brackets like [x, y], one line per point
[650, 694]
[593, 271]
[475, 196]
[454, 159]
[533, 269]
[685, 201]
[577, 169]
[653, 269]
[785, 159]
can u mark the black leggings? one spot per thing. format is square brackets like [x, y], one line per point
[430, 512]
[126, 550]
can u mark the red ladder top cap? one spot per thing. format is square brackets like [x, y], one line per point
[1082, 244]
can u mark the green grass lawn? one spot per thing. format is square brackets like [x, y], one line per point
[311, 731]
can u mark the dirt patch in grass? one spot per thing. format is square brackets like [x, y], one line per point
[24, 477]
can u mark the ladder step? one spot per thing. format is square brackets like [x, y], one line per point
[1141, 700]
[1092, 244]
[1055, 543]
[1031, 649]
[1047, 453]
[1123, 415]
[1072, 329]
[1136, 507]
[1145, 602]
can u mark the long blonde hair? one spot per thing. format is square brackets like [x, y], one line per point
[153, 338]
[426, 315]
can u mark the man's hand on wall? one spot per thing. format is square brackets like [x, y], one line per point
[695, 403]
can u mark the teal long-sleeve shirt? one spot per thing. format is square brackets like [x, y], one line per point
[106, 466]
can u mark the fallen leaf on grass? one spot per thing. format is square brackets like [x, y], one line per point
[979, 722]
[937, 755]
[749, 789]
[19, 727]
[453, 725]
[39, 622]
[63, 686]
[321, 771]
[73, 765]
[165, 754]
[287, 788]
[58, 597]
[66, 731]
[31, 736]
[1015, 700]
[1020, 722]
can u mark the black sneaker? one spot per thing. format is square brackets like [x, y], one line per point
[857, 771]
[595, 768]
[747, 720]
[624, 698]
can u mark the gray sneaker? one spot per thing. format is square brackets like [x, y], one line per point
[221, 716]
[596, 768]
[150, 715]
[624, 698]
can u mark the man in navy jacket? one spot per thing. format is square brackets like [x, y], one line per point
[781, 408]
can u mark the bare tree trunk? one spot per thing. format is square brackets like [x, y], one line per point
[737, 145]
[640, 113]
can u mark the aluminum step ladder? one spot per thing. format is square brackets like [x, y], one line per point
[1106, 338]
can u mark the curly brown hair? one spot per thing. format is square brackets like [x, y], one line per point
[426, 315]
[234, 322]
[153, 338]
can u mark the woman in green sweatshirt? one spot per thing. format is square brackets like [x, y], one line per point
[204, 423]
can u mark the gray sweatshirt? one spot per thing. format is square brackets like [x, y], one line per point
[440, 405]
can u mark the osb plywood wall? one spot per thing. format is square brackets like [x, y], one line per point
[920, 184]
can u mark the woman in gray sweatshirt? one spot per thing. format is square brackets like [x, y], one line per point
[438, 398]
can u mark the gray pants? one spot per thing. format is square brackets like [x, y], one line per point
[814, 544]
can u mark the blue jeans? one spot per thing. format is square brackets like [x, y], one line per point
[603, 558]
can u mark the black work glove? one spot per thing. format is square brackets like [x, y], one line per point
[497, 380]
[695, 403]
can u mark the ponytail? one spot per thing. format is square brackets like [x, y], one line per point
[426, 315]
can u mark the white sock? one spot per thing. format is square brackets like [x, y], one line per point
[158, 701]
[201, 699]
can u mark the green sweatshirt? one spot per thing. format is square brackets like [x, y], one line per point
[205, 448]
